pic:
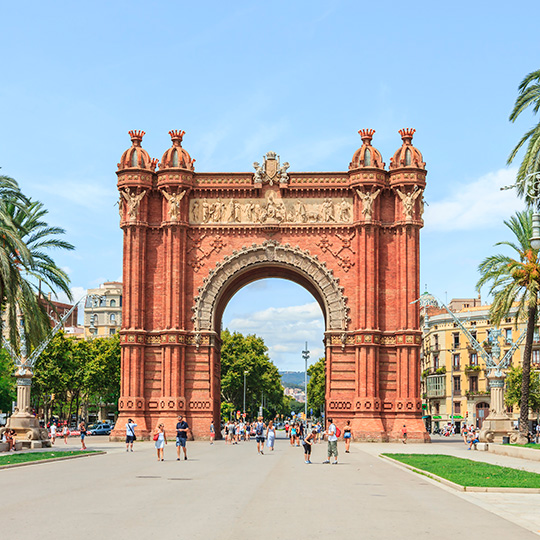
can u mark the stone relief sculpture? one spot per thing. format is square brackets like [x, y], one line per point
[408, 200]
[174, 204]
[272, 210]
[133, 202]
[367, 202]
[270, 171]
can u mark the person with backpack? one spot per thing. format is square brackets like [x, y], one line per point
[259, 434]
[332, 434]
[130, 434]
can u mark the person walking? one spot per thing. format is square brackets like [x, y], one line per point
[332, 442]
[259, 435]
[212, 433]
[53, 432]
[292, 437]
[130, 434]
[308, 442]
[270, 435]
[347, 435]
[82, 431]
[404, 434]
[65, 432]
[182, 429]
[161, 440]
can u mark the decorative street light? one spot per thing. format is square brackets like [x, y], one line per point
[305, 356]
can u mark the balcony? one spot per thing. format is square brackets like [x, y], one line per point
[473, 370]
[436, 386]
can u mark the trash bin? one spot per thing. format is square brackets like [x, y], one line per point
[506, 440]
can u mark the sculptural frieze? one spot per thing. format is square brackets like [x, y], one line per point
[271, 171]
[271, 210]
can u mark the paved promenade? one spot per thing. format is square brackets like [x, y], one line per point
[231, 492]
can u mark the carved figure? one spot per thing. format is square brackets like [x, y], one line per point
[248, 211]
[367, 202]
[205, 211]
[283, 176]
[258, 176]
[271, 208]
[408, 200]
[344, 211]
[300, 214]
[328, 211]
[195, 211]
[133, 201]
[218, 208]
[174, 204]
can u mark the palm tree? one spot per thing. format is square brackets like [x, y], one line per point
[25, 263]
[516, 281]
[529, 96]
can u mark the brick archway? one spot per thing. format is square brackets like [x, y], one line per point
[191, 240]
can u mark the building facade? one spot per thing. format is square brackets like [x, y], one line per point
[103, 310]
[454, 383]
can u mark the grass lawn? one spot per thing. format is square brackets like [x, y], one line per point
[466, 472]
[528, 445]
[10, 459]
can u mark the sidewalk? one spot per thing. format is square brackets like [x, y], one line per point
[519, 508]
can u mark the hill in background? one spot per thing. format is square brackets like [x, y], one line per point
[292, 379]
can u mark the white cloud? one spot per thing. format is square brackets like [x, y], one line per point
[76, 292]
[478, 205]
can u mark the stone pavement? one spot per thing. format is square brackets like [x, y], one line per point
[230, 492]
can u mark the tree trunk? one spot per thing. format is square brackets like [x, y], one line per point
[526, 380]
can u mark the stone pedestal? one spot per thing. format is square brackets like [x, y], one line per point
[498, 424]
[25, 425]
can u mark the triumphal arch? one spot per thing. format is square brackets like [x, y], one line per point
[193, 239]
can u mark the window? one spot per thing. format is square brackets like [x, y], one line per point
[473, 334]
[367, 158]
[175, 158]
[437, 407]
[112, 331]
[112, 318]
[473, 359]
[457, 407]
[455, 361]
[102, 302]
[408, 158]
[473, 384]
[455, 340]
[436, 361]
[535, 359]
[113, 303]
[134, 158]
[536, 336]
[457, 384]
[94, 320]
[508, 336]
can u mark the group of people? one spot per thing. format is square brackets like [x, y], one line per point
[160, 438]
[237, 431]
[9, 437]
[470, 435]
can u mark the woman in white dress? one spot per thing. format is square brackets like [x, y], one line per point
[161, 440]
[270, 435]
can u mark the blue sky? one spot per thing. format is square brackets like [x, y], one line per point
[243, 78]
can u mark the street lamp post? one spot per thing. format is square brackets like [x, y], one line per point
[305, 356]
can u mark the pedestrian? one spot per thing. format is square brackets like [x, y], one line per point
[212, 433]
[65, 432]
[130, 434]
[319, 431]
[182, 429]
[293, 434]
[270, 435]
[259, 434]
[537, 430]
[287, 430]
[347, 436]
[404, 434]
[332, 442]
[308, 442]
[161, 440]
[248, 431]
[53, 432]
[82, 431]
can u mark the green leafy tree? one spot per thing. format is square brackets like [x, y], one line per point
[241, 354]
[514, 380]
[7, 382]
[528, 96]
[516, 281]
[316, 389]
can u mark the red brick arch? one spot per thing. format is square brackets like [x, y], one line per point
[192, 240]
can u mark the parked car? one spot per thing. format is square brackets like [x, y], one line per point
[100, 429]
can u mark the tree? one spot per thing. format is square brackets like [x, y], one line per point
[316, 389]
[241, 354]
[512, 395]
[516, 281]
[7, 382]
[529, 96]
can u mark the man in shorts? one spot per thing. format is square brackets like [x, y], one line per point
[182, 429]
[130, 434]
[259, 434]
[332, 442]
